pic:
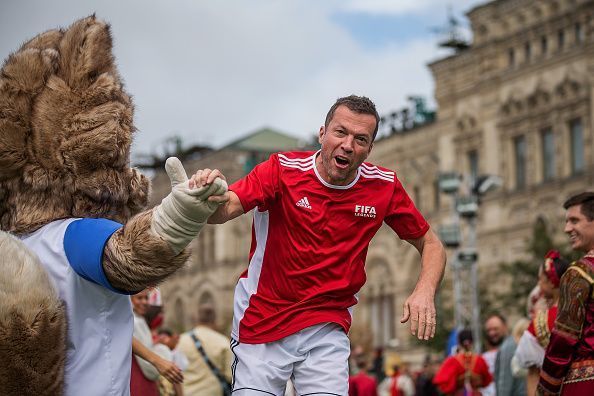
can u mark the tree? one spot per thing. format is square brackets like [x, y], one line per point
[521, 275]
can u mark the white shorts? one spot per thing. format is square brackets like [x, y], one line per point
[315, 359]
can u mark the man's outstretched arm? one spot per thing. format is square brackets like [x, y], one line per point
[419, 307]
[227, 211]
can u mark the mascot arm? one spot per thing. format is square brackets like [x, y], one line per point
[152, 245]
[134, 257]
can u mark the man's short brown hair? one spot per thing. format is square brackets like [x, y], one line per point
[586, 200]
[357, 104]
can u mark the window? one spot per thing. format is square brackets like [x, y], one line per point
[473, 167]
[548, 154]
[560, 39]
[511, 57]
[527, 51]
[577, 146]
[520, 161]
[436, 196]
[381, 308]
[544, 44]
[382, 319]
[180, 314]
[579, 33]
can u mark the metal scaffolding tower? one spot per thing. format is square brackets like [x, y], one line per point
[465, 258]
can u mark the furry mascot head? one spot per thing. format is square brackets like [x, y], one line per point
[68, 193]
[65, 132]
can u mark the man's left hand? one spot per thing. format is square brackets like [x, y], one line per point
[419, 307]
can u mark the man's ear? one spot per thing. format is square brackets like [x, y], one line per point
[370, 147]
[321, 134]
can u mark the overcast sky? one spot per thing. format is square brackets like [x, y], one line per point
[213, 71]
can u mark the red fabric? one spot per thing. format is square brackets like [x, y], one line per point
[139, 385]
[362, 384]
[549, 268]
[394, 391]
[316, 242]
[450, 376]
[578, 388]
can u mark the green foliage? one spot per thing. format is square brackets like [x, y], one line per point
[523, 275]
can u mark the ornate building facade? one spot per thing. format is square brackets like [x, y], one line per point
[517, 103]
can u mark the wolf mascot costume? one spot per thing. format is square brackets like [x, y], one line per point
[69, 196]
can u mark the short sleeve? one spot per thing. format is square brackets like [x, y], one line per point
[529, 352]
[260, 187]
[84, 241]
[402, 215]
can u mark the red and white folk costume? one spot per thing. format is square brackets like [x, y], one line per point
[568, 367]
[463, 374]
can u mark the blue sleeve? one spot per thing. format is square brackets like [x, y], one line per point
[84, 241]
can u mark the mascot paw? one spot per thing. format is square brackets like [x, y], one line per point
[32, 324]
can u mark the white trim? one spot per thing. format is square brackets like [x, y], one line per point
[324, 182]
[246, 287]
[376, 176]
[373, 168]
[295, 165]
[303, 161]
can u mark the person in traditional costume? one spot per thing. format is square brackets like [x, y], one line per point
[531, 347]
[464, 373]
[68, 193]
[568, 366]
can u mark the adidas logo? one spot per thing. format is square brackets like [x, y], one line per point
[304, 203]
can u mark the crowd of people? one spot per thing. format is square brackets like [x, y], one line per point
[166, 363]
[548, 352]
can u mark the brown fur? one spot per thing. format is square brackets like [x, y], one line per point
[135, 257]
[32, 324]
[65, 132]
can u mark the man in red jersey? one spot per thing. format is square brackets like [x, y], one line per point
[315, 214]
[568, 367]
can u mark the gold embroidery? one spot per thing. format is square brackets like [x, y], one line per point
[580, 371]
[541, 328]
[574, 293]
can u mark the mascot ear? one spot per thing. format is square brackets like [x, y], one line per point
[22, 78]
[85, 53]
[83, 119]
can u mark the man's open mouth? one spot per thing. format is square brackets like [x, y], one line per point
[341, 161]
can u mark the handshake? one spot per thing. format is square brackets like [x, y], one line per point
[182, 214]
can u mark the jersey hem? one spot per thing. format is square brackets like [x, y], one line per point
[280, 335]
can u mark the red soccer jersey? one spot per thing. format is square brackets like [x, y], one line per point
[309, 243]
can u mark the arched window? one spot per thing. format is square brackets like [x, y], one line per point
[381, 303]
[179, 311]
[206, 298]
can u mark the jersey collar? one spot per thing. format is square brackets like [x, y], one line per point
[324, 182]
